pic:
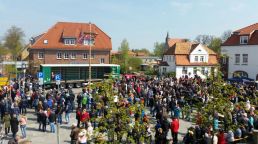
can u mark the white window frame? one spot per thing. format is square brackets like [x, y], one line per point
[58, 55]
[245, 58]
[196, 58]
[85, 56]
[184, 70]
[201, 58]
[41, 55]
[237, 58]
[73, 55]
[102, 60]
[69, 41]
[243, 39]
[66, 55]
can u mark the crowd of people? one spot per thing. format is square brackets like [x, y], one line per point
[137, 110]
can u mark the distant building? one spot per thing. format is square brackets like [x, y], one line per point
[240, 53]
[69, 43]
[188, 59]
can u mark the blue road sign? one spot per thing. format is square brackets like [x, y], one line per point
[40, 75]
[58, 77]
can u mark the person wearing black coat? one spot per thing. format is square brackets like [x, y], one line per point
[14, 125]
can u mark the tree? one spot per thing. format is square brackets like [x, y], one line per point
[215, 45]
[204, 39]
[14, 40]
[226, 35]
[144, 50]
[159, 49]
[134, 63]
[124, 49]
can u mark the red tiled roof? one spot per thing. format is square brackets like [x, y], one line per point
[250, 31]
[247, 30]
[183, 60]
[173, 41]
[72, 30]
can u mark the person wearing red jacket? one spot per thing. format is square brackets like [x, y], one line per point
[85, 117]
[221, 137]
[174, 129]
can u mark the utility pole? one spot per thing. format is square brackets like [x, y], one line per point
[90, 59]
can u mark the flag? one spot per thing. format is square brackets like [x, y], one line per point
[81, 38]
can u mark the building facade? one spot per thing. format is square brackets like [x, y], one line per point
[69, 43]
[240, 53]
[188, 59]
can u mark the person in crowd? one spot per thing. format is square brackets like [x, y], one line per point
[74, 134]
[174, 129]
[52, 120]
[23, 123]
[78, 115]
[6, 120]
[82, 138]
[14, 125]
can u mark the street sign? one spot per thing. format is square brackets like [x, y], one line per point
[40, 75]
[41, 81]
[58, 79]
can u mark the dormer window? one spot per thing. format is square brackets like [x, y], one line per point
[88, 42]
[243, 39]
[69, 41]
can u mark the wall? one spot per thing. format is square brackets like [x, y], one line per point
[251, 68]
[51, 57]
[190, 71]
[199, 51]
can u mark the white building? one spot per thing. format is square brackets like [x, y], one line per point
[187, 58]
[241, 53]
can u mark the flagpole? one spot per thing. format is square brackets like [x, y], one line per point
[90, 60]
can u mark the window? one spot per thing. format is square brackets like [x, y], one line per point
[237, 58]
[202, 58]
[41, 55]
[196, 58]
[164, 69]
[195, 70]
[245, 58]
[85, 55]
[69, 41]
[73, 56]
[243, 39]
[184, 70]
[224, 60]
[102, 60]
[66, 55]
[170, 58]
[88, 42]
[59, 55]
[203, 70]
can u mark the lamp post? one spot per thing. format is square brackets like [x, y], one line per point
[90, 58]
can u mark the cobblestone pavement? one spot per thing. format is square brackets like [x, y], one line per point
[38, 137]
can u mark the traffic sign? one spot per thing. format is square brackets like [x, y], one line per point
[40, 75]
[41, 82]
[58, 77]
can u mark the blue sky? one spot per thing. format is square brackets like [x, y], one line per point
[141, 22]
